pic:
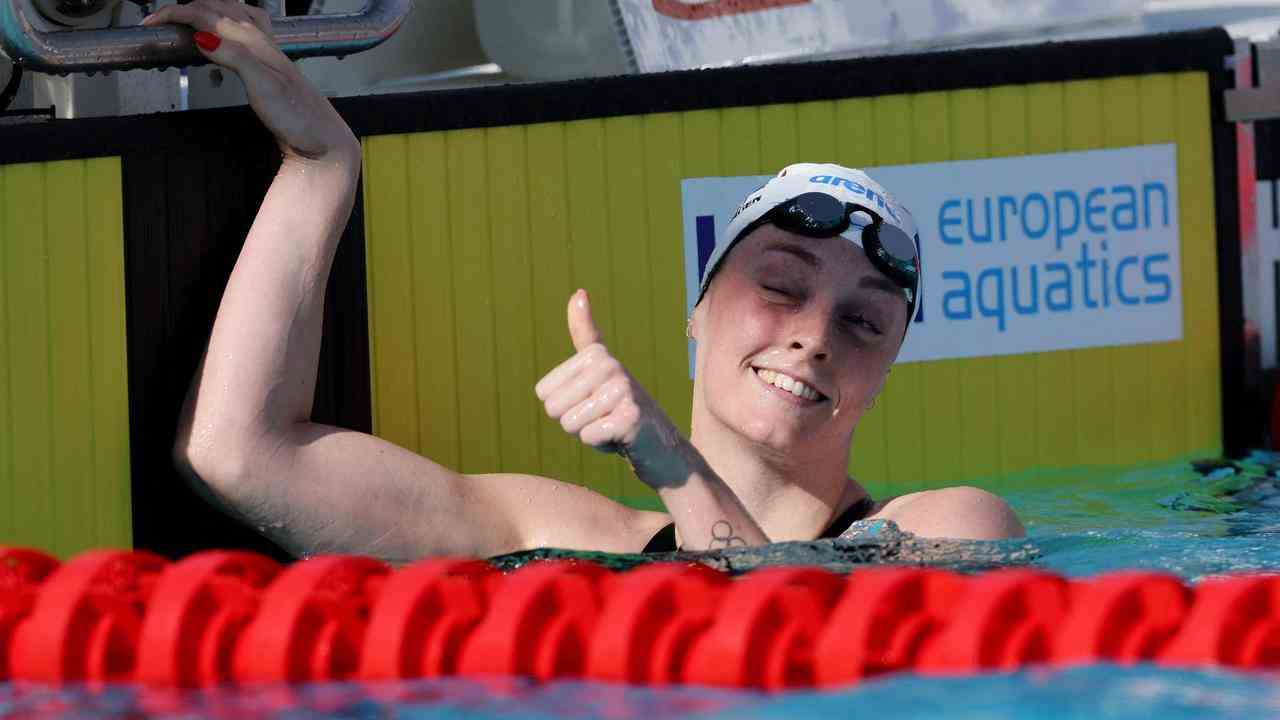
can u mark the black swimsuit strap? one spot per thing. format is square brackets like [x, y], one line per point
[662, 541]
[856, 512]
[665, 539]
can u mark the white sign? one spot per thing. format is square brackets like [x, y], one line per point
[1020, 255]
[681, 34]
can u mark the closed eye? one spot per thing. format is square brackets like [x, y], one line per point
[861, 320]
[779, 291]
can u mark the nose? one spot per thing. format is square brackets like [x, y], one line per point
[810, 334]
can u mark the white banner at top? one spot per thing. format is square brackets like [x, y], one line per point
[683, 34]
[1019, 255]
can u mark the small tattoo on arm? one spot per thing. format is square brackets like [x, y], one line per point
[722, 536]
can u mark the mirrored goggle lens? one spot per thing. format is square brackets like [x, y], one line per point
[813, 214]
[895, 253]
[898, 246]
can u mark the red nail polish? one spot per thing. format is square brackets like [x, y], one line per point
[207, 40]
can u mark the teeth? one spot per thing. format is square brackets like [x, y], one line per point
[788, 383]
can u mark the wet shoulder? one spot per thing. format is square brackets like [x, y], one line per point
[960, 512]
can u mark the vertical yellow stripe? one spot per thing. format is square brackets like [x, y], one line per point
[700, 143]
[740, 139]
[1199, 258]
[479, 428]
[816, 125]
[8, 512]
[390, 281]
[979, 428]
[932, 140]
[27, 289]
[592, 263]
[778, 136]
[663, 172]
[426, 314]
[69, 390]
[1131, 372]
[64, 425]
[519, 411]
[1166, 387]
[552, 284]
[1055, 377]
[635, 332]
[110, 473]
[1016, 374]
[855, 145]
[1095, 418]
[902, 397]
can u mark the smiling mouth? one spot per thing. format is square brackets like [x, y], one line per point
[788, 384]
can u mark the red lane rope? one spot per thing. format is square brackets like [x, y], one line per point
[229, 616]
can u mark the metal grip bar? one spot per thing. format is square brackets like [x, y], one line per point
[24, 40]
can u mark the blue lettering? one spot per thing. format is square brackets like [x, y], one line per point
[1091, 210]
[1003, 203]
[1033, 306]
[1130, 208]
[997, 310]
[1125, 298]
[974, 235]
[963, 293]
[1146, 203]
[857, 189]
[1044, 215]
[1062, 285]
[872, 195]
[1155, 278]
[1061, 230]
[945, 222]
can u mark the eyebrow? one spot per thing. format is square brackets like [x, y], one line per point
[795, 250]
[878, 281]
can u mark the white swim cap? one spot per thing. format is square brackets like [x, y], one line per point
[897, 257]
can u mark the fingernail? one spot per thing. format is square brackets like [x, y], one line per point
[207, 41]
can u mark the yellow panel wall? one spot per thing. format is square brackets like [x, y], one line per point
[477, 237]
[64, 423]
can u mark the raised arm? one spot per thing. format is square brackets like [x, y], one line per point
[246, 439]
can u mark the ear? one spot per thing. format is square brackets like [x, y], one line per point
[883, 379]
[693, 330]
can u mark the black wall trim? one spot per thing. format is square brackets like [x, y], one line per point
[186, 215]
[630, 95]
[1239, 433]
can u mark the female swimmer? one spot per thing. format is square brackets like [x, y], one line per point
[796, 330]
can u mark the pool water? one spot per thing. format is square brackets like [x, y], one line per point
[1192, 519]
[1195, 520]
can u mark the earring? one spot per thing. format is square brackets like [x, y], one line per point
[688, 329]
[871, 404]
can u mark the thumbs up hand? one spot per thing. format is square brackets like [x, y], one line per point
[594, 397]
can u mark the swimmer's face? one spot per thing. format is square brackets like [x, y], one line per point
[813, 309]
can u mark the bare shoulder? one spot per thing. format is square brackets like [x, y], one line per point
[559, 514]
[961, 512]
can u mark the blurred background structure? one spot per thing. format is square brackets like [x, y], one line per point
[453, 43]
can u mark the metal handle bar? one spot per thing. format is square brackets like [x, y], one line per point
[66, 51]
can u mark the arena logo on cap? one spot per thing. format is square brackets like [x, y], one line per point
[1020, 255]
[858, 189]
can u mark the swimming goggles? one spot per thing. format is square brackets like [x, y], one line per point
[889, 248]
